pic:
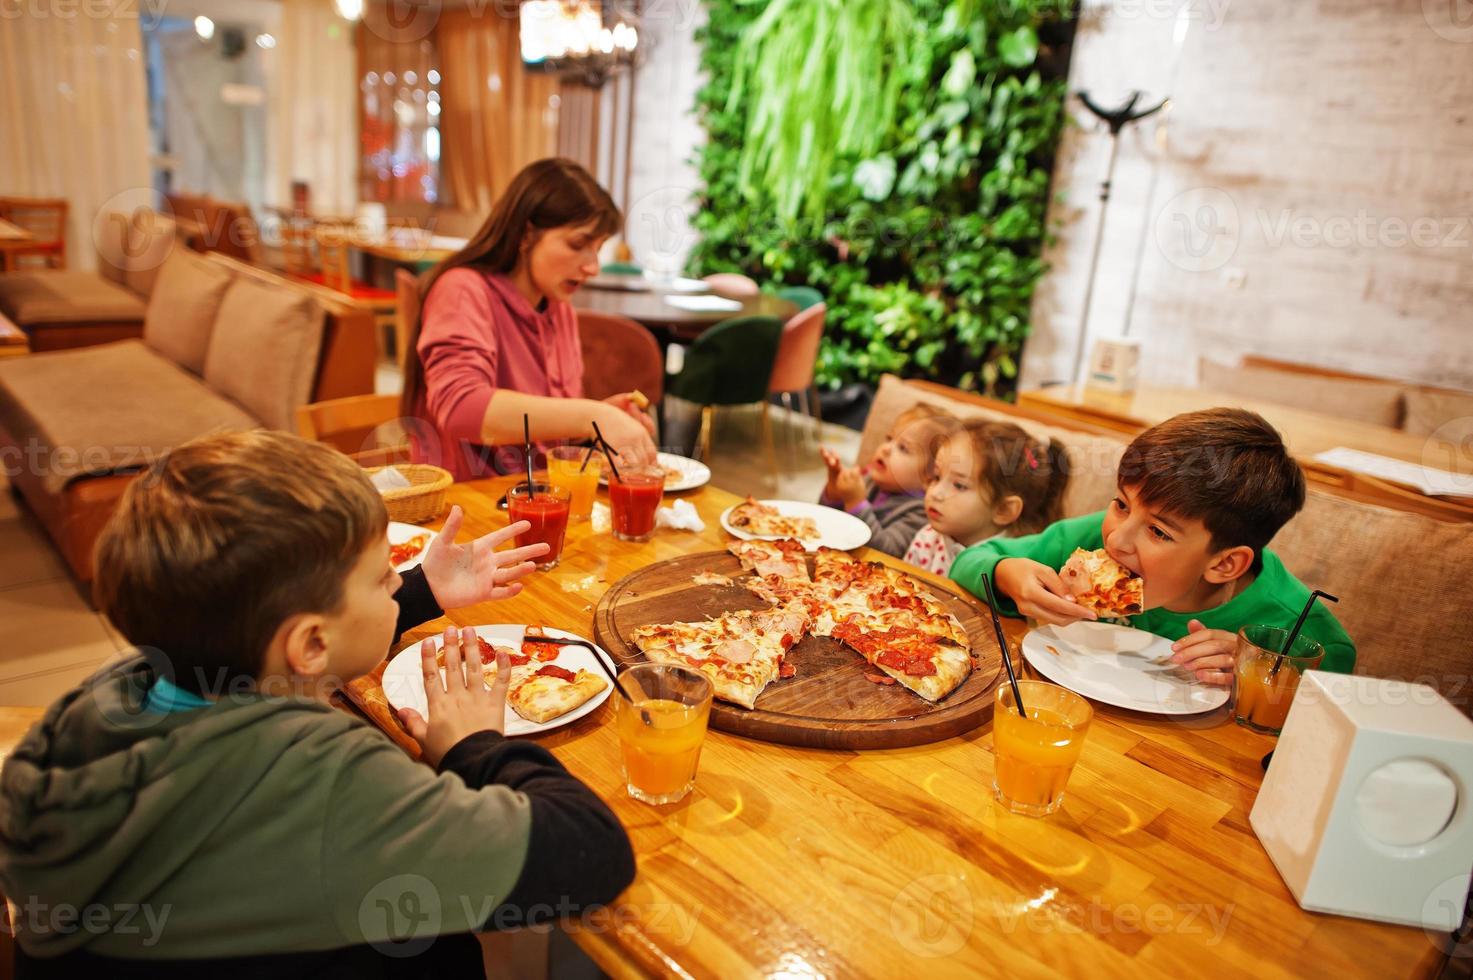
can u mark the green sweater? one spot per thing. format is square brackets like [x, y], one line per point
[1274, 599]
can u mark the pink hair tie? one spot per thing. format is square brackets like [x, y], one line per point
[1032, 459]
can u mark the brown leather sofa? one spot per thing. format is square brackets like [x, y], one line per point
[224, 345]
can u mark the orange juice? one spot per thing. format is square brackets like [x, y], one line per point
[565, 469]
[661, 754]
[1263, 695]
[1035, 754]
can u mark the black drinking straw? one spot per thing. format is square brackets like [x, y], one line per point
[527, 435]
[1298, 625]
[609, 453]
[1002, 643]
[593, 448]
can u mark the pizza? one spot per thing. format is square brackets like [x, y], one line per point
[741, 652]
[887, 617]
[539, 690]
[1102, 585]
[406, 550]
[548, 691]
[765, 521]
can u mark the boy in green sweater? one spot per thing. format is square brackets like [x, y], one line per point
[1200, 497]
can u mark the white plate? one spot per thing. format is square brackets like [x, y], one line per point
[1117, 665]
[399, 533]
[693, 472]
[404, 682]
[836, 529]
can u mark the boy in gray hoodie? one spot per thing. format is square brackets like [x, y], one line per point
[199, 807]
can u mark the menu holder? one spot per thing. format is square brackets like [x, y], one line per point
[1365, 808]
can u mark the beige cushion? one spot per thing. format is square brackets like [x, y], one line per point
[106, 409]
[263, 353]
[1093, 460]
[1402, 581]
[1376, 402]
[1429, 410]
[110, 232]
[66, 296]
[182, 307]
[152, 237]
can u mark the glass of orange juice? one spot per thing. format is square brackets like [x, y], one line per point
[565, 469]
[1263, 694]
[1036, 754]
[661, 727]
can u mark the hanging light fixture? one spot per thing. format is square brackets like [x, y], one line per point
[574, 39]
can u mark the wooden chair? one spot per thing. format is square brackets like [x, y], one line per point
[45, 219]
[362, 426]
[406, 307]
[332, 251]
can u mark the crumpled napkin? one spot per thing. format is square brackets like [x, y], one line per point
[680, 516]
[389, 478]
[601, 520]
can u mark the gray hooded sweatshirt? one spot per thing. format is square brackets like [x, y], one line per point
[264, 825]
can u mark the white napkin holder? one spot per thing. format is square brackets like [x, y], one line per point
[1114, 365]
[1367, 807]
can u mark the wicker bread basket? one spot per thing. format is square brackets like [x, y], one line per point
[424, 501]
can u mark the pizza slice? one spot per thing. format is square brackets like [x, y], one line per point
[928, 665]
[551, 691]
[1102, 585]
[766, 521]
[741, 652]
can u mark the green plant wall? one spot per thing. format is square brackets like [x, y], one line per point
[894, 154]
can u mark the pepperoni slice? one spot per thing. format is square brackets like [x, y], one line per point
[541, 651]
[884, 679]
[787, 670]
[553, 670]
[488, 654]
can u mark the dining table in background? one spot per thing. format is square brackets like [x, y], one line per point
[672, 323]
[13, 238]
[802, 862]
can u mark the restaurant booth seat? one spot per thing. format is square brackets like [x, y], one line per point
[59, 309]
[1400, 576]
[225, 346]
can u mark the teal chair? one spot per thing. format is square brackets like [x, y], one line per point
[800, 296]
[730, 364]
[622, 269]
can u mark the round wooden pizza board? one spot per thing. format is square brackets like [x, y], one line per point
[828, 704]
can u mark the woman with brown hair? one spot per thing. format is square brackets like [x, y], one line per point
[497, 336]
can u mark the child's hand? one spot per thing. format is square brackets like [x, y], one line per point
[1038, 591]
[832, 462]
[1210, 653]
[465, 574]
[849, 487]
[459, 705]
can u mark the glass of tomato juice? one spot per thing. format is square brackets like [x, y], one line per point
[546, 508]
[634, 496]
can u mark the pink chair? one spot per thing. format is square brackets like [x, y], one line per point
[732, 284]
[619, 355]
[797, 353]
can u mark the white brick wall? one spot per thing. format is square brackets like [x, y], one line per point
[1308, 196]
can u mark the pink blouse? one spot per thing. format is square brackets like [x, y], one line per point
[478, 334]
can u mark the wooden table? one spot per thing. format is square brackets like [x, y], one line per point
[13, 238]
[403, 249]
[805, 862]
[1305, 433]
[650, 309]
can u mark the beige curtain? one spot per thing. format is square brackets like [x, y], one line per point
[497, 116]
[314, 108]
[74, 113]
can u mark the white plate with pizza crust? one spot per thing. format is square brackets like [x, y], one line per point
[399, 533]
[681, 473]
[836, 529]
[1120, 666]
[404, 676]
